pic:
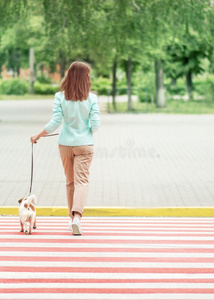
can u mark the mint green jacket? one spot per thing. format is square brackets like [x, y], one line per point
[80, 120]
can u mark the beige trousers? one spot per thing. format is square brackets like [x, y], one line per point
[76, 161]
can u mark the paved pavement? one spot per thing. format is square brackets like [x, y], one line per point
[141, 160]
[115, 258]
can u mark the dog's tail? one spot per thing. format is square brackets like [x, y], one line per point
[32, 199]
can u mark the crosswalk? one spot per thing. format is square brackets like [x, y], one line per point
[115, 258]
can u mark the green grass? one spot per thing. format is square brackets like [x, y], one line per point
[26, 97]
[173, 106]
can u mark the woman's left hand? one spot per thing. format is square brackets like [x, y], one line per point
[35, 138]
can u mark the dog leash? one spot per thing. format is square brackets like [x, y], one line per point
[31, 180]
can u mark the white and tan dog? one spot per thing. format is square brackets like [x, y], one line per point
[27, 213]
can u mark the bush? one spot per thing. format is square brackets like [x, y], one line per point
[178, 89]
[121, 91]
[14, 87]
[104, 85]
[101, 85]
[210, 92]
[204, 86]
[211, 88]
[144, 95]
[45, 89]
[43, 79]
[122, 86]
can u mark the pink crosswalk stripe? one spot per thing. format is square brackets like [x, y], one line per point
[115, 258]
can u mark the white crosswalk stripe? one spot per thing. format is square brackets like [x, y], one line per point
[115, 258]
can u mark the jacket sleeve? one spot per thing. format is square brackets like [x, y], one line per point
[94, 116]
[56, 117]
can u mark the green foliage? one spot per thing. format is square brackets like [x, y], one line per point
[210, 96]
[45, 89]
[101, 85]
[205, 87]
[121, 86]
[173, 107]
[202, 87]
[43, 79]
[180, 32]
[178, 89]
[14, 87]
[143, 95]
[10, 11]
[15, 46]
[186, 54]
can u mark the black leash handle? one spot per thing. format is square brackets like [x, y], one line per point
[31, 180]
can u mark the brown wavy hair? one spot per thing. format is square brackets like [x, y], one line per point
[77, 82]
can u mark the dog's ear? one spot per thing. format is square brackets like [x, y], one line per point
[20, 200]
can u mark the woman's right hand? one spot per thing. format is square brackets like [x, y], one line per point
[35, 138]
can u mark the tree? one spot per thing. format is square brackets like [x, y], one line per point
[10, 12]
[187, 55]
[14, 45]
[65, 23]
[124, 24]
[170, 19]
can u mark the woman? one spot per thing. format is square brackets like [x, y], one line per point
[79, 109]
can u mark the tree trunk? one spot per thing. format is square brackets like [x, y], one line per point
[173, 81]
[41, 67]
[129, 84]
[18, 71]
[62, 68]
[114, 83]
[32, 74]
[189, 84]
[62, 60]
[160, 97]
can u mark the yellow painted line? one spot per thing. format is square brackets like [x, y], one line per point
[121, 211]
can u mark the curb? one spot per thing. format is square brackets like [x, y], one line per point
[120, 211]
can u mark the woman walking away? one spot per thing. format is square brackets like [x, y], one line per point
[79, 109]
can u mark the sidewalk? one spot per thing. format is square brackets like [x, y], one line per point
[115, 258]
[141, 160]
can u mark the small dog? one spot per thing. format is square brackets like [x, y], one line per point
[27, 213]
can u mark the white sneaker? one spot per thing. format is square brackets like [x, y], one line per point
[70, 225]
[76, 226]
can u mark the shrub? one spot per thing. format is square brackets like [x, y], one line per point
[45, 89]
[101, 85]
[178, 89]
[204, 86]
[144, 95]
[122, 86]
[43, 79]
[210, 92]
[14, 87]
